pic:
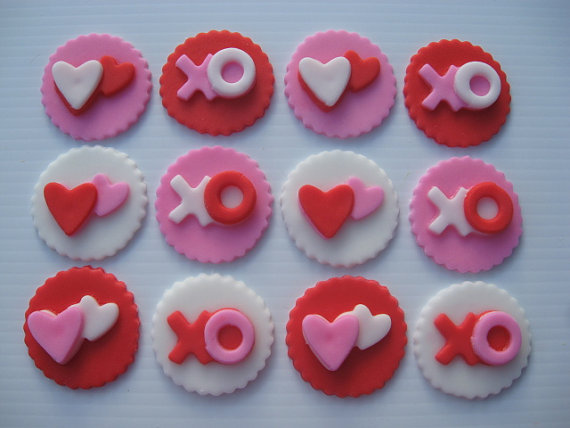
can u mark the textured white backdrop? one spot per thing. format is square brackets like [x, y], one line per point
[530, 40]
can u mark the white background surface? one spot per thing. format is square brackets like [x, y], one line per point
[530, 40]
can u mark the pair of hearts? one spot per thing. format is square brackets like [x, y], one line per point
[78, 86]
[61, 335]
[326, 83]
[328, 211]
[331, 342]
[71, 207]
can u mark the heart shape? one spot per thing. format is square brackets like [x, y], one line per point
[98, 319]
[366, 199]
[109, 196]
[324, 82]
[363, 71]
[77, 84]
[70, 207]
[59, 335]
[327, 211]
[373, 328]
[331, 342]
[115, 76]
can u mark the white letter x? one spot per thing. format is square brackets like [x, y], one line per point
[192, 201]
[451, 211]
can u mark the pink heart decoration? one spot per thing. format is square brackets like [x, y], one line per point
[109, 196]
[366, 199]
[331, 342]
[59, 335]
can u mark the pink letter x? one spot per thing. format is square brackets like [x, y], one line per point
[442, 88]
[197, 78]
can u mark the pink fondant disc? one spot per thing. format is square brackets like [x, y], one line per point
[213, 243]
[106, 116]
[357, 112]
[474, 252]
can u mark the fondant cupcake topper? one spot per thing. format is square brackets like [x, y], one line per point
[346, 336]
[340, 208]
[75, 321]
[95, 86]
[465, 215]
[339, 84]
[89, 203]
[211, 334]
[217, 83]
[456, 93]
[472, 340]
[213, 204]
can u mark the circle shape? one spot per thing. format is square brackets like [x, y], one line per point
[474, 252]
[481, 346]
[462, 84]
[106, 116]
[231, 89]
[99, 237]
[357, 240]
[90, 366]
[221, 115]
[224, 318]
[363, 371]
[504, 208]
[458, 378]
[211, 293]
[358, 112]
[214, 243]
[460, 128]
[213, 197]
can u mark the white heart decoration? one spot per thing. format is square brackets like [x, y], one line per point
[326, 81]
[98, 319]
[373, 328]
[77, 84]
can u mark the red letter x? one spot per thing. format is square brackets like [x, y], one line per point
[190, 337]
[458, 339]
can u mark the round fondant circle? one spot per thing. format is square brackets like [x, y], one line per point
[357, 240]
[107, 116]
[103, 360]
[213, 243]
[363, 371]
[220, 115]
[474, 252]
[458, 378]
[211, 293]
[460, 128]
[99, 237]
[358, 112]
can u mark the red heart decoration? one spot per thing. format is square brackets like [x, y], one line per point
[362, 71]
[327, 211]
[115, 76]
[70, 208]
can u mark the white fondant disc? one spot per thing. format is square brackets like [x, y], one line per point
[458, 378]
[211, 293]
[99, 237]
[357, 240]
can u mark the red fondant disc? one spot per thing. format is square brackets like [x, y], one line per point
[103, 360]
[363, 371]
[464, 127]
[220, 115]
